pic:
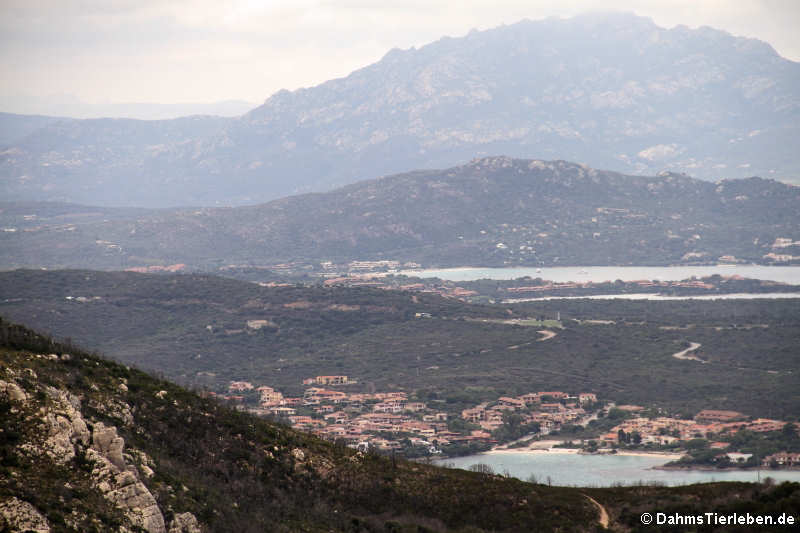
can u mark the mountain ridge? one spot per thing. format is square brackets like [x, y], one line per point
[493, 211]
[615, 91]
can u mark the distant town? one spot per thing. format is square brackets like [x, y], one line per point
[391, 422]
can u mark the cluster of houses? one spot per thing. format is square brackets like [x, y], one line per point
[550, 409]
[388, 420]
[706, 424]
[377, 282]
[783, 459]
[382, 419]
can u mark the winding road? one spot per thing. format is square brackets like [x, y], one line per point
[603, 513]
[685, 353]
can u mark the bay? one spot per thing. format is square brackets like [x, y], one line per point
[662, 297]
[579, 470]
[597, 274]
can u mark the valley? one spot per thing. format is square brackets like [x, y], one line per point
[538, 277]
[113, 451]
[203, 331]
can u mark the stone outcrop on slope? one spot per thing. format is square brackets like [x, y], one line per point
[61, 434]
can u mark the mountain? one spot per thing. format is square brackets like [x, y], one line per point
[207, 331]
[612, 90]
[494, 211]
[14, 128]
[71, 106]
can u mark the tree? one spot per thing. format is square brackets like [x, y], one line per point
[482, 468]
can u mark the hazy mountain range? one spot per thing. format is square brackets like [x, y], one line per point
[73, 107]
[493, 211]
[612, 91]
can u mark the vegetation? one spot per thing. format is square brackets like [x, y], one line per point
[758, 445]
[193, 328]
[491, 212]
[239, 473]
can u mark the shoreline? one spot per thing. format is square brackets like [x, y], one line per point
[787, 274]
[578, 451]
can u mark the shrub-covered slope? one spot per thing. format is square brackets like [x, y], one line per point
[91, 445]
[194, 329]
[494, 211]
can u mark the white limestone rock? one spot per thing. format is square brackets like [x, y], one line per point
[110, 445]
[120, 483]
[13, 391]
[64, 426]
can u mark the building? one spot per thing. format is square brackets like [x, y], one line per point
[556, 395]
[782, 459]
[587, 397]
[711, 416]
[331, 380]
[240, 386]
[510, 403]
[473, 415]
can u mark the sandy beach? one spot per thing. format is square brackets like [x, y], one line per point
[547, 446]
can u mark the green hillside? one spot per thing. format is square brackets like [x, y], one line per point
[91, 445]
[194, 329]
[494, 211]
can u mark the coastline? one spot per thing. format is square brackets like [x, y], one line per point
[547, 447]
[763, 470]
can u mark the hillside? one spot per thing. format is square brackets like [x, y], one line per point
[611, 90]
[493, 211]
[14, 128]
[119, 450]
[197, 330]
[91, 445]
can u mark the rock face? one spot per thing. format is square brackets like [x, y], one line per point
[64, 425]
[119, 482]
[62, 434]
[18, 515]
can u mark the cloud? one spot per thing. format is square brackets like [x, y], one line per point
[202, 50]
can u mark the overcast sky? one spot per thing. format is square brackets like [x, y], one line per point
[178, 51]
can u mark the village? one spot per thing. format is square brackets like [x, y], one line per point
[392, 422]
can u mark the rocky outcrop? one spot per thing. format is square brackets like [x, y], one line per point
[12, 391]
[18, 515]
[119, 482]
[115, 409]
[64, 426]
[62, 433]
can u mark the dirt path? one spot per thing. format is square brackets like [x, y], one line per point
[603, 514]
[546, 334]
[685, 353]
